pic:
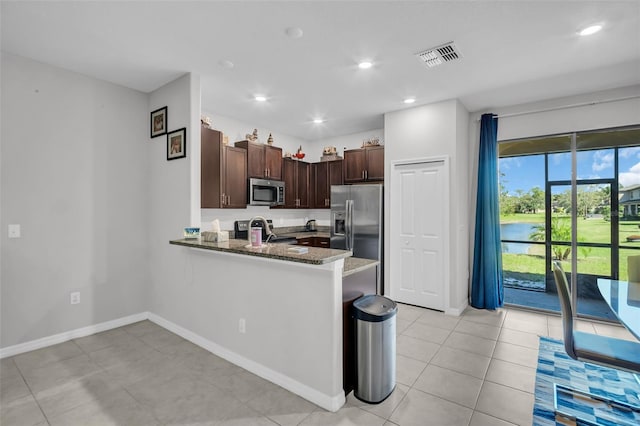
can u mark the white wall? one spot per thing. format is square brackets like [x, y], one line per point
[344, 142]
[171, 197]
[603, 112]
[435, 130]
[74, 173]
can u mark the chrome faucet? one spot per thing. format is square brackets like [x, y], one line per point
[266, 227]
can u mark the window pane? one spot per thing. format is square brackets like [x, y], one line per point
[594, 219]
[594, 261]
[523, 266]
[596, 164]
[624, 254]
[560, 166]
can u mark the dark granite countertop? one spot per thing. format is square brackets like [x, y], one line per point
[315, 255]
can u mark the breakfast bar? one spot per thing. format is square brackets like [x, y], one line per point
[272, 311]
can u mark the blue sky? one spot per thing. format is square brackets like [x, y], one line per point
[526, 172]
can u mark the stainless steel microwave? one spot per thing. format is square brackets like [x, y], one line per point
[266, 192]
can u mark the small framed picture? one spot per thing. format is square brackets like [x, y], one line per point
[159, 122]
[177, 144]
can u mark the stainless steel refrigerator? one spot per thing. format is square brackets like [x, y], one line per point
[356, 222]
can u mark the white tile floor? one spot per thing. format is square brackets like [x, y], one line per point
[478, 369]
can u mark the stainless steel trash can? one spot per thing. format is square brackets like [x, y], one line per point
[375, 322]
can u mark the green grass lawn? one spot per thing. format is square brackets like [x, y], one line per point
[591, 260]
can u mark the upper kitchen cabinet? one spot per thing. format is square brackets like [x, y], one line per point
[223, 173]
[263, 161]
[364, 165]
[323, 175]
[296, 184]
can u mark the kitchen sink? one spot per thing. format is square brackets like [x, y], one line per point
[283, 240]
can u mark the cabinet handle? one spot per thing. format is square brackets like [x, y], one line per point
[366, 174]
[362, 174]
[222, 199]
[228, 200]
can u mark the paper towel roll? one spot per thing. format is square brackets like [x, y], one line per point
[215, 225]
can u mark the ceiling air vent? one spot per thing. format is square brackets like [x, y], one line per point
[439, 55]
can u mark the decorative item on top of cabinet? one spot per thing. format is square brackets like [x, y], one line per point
[296, 184]
[252, 137]
[364, 164]
[323, 175]
[223, 173]
[263, 161]
[270, 140]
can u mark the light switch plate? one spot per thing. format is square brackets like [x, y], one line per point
[14, 231]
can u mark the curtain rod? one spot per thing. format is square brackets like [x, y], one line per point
[535, 111]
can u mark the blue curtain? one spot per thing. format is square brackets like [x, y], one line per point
[487, 291]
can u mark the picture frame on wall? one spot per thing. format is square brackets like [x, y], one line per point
[177, 144]
[159, 122]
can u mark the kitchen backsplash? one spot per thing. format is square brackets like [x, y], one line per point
[280, 217]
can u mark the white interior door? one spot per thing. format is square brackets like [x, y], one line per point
[419, 212]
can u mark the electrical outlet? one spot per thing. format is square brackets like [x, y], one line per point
[75, 298]
[242, 326]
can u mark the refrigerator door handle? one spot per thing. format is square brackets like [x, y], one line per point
[349, 225]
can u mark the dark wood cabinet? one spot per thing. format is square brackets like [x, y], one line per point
[323, 175]
[323, 242]
[223, 173]
[364, 165]
[296, 176]
[263, 161]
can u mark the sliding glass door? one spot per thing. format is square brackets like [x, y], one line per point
[573, 198]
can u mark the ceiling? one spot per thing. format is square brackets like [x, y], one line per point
[512, 52]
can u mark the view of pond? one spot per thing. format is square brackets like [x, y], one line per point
[516, 231]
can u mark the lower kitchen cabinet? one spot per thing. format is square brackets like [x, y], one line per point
[314, 242]
[223, 173]
[296, 176]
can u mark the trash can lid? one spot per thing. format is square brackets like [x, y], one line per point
[374, 308]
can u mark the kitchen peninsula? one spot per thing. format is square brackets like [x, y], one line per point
[275, 313]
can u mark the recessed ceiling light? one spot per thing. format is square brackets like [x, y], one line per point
[409, 100]
[318, 120]
[294, 32]
[260, 98]
[365, 65]
[590, 30]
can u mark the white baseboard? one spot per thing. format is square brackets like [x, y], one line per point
[328, 402]
[457, 311]
[68, 335]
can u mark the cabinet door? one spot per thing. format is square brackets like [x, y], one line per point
[289, 177]
[306, 241]
[335, 177]
[210, 172]
[375, 163]
[303, 173]
[354, 165]
[323, 242]
[320, 172]
[273, 162]
[255, 161]
[235, 177]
